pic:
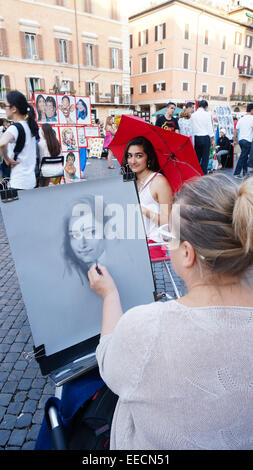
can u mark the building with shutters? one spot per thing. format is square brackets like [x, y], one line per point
[182, 51]
[71, 46]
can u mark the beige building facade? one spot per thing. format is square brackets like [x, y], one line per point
[182, 51]
[73, 46]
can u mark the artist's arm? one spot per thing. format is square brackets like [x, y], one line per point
[162, 193]
[6, 139]
[104, 285]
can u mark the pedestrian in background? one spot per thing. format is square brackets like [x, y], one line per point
[110, 130]
[184, 122]
[167, 121]
[222, 147]
[245, 127]
[203, 133]
[23, 167]
[49, 146]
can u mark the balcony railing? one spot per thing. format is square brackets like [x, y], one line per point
[241, 98]
[245, 71]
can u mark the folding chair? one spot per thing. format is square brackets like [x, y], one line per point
[51, 167]
[164, 260]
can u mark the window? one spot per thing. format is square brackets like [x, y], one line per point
[130, 41]
[233, 88]
[221, 90]
[65, 86]
[161, 86]
[248, 42]
[185, 86]
[160, 61]
[222, 68]
[130, 67]
[90, 54]
[33, 84]
[114, 10]
[131, 90]
[160, 32]
[143, 88]
[143, 64]
[243, 89]
[30, 42]
[186, 31]
[116, 93]
[63, 51]
[2, 88]
[238, 38]
[236, 61]
[206, 40]
[186, 60]
[204, 88]
[115, 58]
[143, 37]
[87, 6]
[224, 42]
[205, 64]
[246, 62]
[91, 89]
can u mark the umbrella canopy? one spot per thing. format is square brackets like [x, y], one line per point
[175, 152]
[163, 111]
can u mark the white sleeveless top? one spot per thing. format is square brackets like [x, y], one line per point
[148, 201]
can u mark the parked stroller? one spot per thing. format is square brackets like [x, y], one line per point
[81, 419]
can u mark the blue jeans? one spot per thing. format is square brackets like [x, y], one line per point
[250, 160]
[242, 164]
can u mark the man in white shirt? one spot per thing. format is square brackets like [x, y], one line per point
[245, 128]
[203, 133]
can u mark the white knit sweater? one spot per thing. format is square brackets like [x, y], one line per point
[184, 377]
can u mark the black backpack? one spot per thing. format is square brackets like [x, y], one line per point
[91, 425]
[20, 143]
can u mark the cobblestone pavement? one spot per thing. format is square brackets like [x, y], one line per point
[23, 390]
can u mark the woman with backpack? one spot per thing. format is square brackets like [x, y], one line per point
[18, 143]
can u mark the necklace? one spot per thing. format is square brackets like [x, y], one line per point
[141, 182]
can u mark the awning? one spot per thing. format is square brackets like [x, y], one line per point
[249, 15]
[163, 111]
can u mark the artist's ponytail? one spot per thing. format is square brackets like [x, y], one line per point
[17, 99]
[216, 217]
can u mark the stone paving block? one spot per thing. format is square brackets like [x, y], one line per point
[29, 445]
[30, 406]
[5, 399]
[33, 432]
[15, 407]
[2, 411]
[24, 420]
[24, 384]
[10, 387]
[4, 436]
[8, 421]
[17, 437]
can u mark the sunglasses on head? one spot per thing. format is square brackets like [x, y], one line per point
[165, 233]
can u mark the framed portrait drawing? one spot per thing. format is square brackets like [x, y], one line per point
[83, 110]
[46, 108]
[68, 138]
[72, 170]
[66, 109]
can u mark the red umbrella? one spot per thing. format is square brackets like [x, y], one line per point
[175, 152]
